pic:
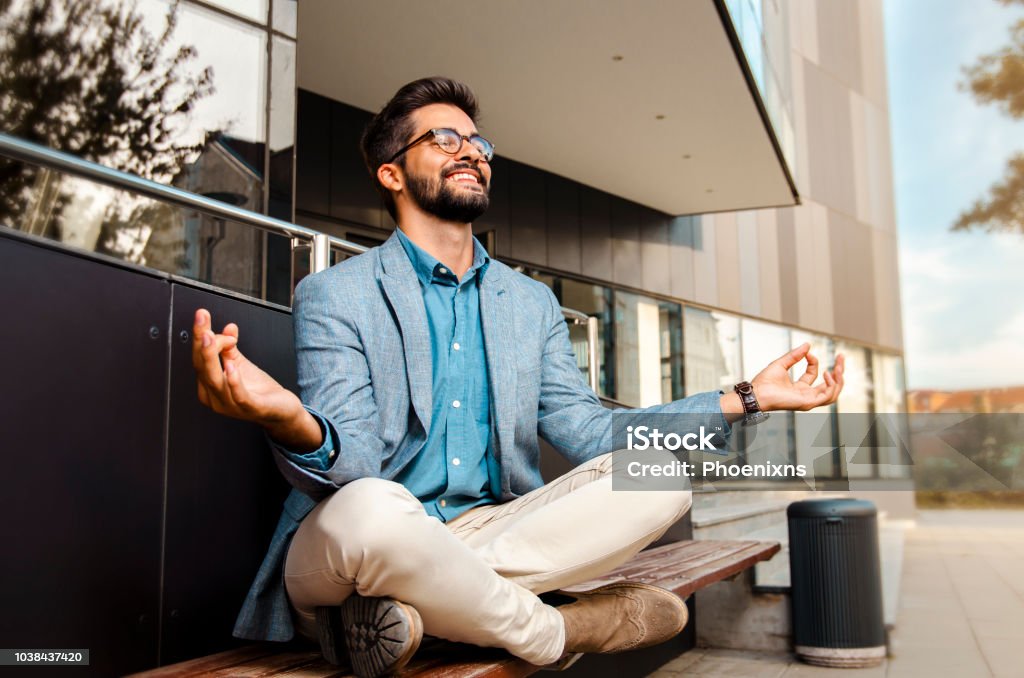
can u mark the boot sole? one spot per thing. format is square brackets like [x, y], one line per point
[382, 634]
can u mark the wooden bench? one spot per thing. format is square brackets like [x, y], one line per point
[683, 568]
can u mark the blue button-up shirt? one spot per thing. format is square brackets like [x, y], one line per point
[455, 469]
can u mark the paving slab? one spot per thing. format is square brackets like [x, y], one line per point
[960, 612]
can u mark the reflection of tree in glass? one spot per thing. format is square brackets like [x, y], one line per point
[999, 78]
[87, 77]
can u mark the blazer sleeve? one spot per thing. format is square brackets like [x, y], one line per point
[570, 415]
[334, 386]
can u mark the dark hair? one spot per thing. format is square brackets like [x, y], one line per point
[391, 128]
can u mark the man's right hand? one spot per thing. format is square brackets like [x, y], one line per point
[229, 384]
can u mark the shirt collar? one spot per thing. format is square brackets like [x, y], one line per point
[428, 268]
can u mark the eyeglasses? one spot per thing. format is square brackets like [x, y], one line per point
[449, 141]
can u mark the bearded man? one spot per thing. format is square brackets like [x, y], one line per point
[427, 370]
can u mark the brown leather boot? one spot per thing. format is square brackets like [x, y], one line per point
[622, 616]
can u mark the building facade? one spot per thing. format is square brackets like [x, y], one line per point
[769, 220]
[711, 180]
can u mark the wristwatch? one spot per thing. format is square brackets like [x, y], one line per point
[752, 411]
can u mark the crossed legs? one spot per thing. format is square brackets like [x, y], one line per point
[475, 579]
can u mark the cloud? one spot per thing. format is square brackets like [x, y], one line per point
[963, 311]
[947, 148]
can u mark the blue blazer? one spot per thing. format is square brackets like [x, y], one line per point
[363, 349]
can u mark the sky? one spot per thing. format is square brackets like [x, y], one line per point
[962, 293]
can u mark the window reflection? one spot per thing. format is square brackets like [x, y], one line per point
[856, 406]
[250, 9]
[172, 92]
[648, 349]
[773, 439]
[712, 350]
[640, 346]
[592, 300]
[890, 407]
[285, 16]
[813, 431]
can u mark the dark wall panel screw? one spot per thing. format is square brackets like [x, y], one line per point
[183, 336]
[154, 332]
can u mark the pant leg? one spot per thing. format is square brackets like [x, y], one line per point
[373, 537]
[573, 529]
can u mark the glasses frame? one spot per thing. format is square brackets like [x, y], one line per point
[487, 156]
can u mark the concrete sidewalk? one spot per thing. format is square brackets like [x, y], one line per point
[961, 608]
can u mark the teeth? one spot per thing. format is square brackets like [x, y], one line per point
[459, 176]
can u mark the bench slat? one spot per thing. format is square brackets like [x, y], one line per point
[683, 567]
[213, 662]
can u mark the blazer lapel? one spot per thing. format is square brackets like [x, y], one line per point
[402, 288]
[498, 322]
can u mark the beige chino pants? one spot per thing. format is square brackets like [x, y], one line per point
[476, 578]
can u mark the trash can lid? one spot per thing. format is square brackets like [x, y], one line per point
[816, 508]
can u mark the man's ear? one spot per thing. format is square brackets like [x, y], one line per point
[391, 176]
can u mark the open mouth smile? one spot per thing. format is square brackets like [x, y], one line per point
[464, 175]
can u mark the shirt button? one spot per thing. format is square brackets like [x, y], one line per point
[442, 270]
[456, 346]
[443, 503]
[456, 461]
[456, 403]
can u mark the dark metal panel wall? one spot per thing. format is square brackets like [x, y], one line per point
[224, 494]
[82, 403]
[538, 217]
[353, 196]
[313, 180]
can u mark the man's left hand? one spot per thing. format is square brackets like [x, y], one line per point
[774, 389]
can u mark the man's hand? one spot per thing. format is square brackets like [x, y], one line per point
[774, 389]
[229, 384]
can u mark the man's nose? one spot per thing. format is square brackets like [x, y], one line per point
[469, 151]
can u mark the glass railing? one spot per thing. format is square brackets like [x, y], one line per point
[204, 238]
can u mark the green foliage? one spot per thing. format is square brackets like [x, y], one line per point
[998, 79]
[86, 76]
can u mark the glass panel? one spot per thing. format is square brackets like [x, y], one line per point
[592, 300]
[285, 16]
[856, 406]
[282, 164]
[187, 110]
[640, 350]
[671, 322]
[640, 342]
[815, 446]
[250, 9]
[142, 231]
[892, 423]
[768, 70]
[771, 440]
[712, 350]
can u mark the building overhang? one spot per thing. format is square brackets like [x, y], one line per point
[647, 101]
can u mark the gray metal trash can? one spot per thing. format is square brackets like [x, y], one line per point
[836, 582]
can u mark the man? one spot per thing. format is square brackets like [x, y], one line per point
[427, 371]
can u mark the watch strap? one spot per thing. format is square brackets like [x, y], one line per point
[752, 412]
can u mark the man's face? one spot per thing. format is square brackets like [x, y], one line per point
[451, 187]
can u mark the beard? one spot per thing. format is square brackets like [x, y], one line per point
[436, 195]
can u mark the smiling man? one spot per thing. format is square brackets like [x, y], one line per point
[427, 372]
